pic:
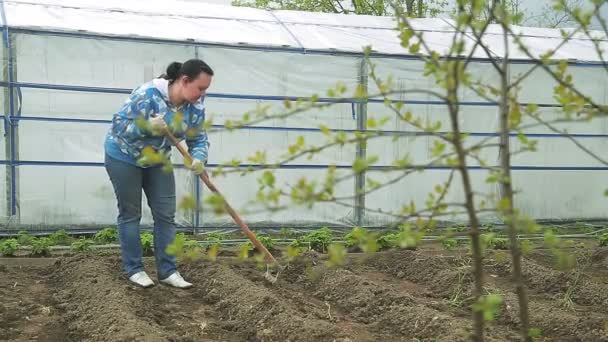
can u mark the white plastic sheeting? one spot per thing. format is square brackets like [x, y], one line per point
[78, 195]
[210, 23]
[83, 195]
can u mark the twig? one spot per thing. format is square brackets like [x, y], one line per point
[329, 311]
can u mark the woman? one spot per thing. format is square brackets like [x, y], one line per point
[174, 102]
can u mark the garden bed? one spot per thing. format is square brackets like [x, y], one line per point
[387, 296]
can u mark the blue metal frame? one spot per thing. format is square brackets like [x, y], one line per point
[324, 166]
[361, 117]
[352, 101]
[12, 125]
[44, 118]
[316, 130]
[14, 116]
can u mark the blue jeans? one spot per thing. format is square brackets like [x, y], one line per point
[128, 181]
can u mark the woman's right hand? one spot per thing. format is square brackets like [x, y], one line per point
[157, 124]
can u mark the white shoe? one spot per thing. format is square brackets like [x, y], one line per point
[176, 280]
[142, 279]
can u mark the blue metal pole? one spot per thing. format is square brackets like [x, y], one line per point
[361, 146]
[13, 128]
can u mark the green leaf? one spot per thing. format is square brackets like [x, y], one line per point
[405, 36]
[60, 237]
[106, 235]
[337, 255]
[216, 202]
[360, 164]
[9, 247]
[514, 116]
[384, 121]
[551, 240]
[532, 107]
[244, 251]
[526, 247]
[438, 148]
[341, 138]
[187, 203]
[489, 306]
[293, 252]
[325, 130]
[536, 332]
[268, 179]
[558, 6]
[319, 240]
[522, 138]
[415, 48]
[492, 179]
[258, 158]
[409, 238]
[360, 92]
[147, 241]
[82, 245]
[371, 123]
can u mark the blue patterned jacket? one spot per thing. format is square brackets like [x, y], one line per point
[128, 134]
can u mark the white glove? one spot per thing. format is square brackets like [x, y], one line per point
[157, 124]
[197, 167]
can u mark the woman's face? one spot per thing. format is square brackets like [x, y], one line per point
[194, 89]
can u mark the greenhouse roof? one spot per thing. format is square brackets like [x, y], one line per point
[173, 20]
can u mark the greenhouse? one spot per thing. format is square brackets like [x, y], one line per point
[68, 65]
[311, 148]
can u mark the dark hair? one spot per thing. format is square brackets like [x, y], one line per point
[191, 68]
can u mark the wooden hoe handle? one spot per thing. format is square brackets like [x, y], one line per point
[237, 219]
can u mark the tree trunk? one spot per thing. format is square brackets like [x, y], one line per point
[409, 6]
[507, 193]
[470, 206]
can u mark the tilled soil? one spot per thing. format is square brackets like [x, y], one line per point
[399, 295]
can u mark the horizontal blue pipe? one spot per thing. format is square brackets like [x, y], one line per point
[287, 49]
[54, 163]
[462, 103]
[324, 166]
[279, 98]
[412, 133]
[304, 129]
[441, 103]
[67, 87]
[66, 163]
[107, 90]
[43, 118]
[387, 168]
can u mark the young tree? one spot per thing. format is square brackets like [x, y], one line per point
[413, 8]
[558, 14]
[452, 147]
